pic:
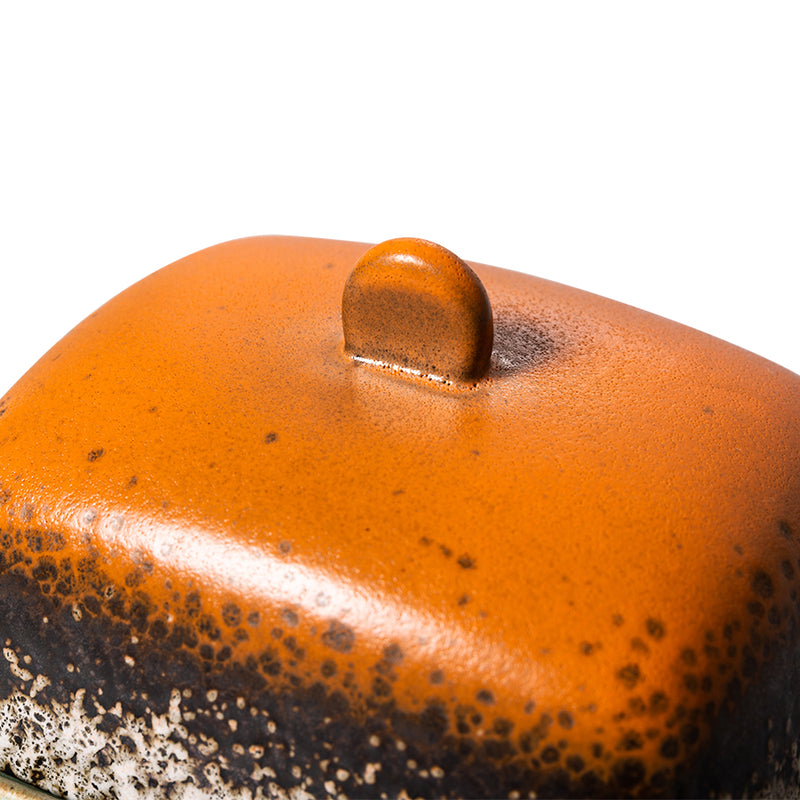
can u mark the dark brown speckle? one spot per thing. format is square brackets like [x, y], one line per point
[762, 585]
[485, 696]
[656, 628]
[339, 637]
[630, 675]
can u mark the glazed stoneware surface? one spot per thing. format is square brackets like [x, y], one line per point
[238, 562]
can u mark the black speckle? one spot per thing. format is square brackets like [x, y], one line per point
[631, 740]
[206, 652]
[45, 569]
[727, 631]
[436, 677]
[749, 664]
[328, 668]
[591, 784]
[392, 653]
[670, 747]
[756, 608]
[691, 682]
[284, 547]
[786, 529]
[788, 569]
[655, 627]
[762, 585]
[637, 706]
[290, 618]
[630, 675]
[253, 619]
[271, 437]
[339, 637]
[639, 645]
[485, 696]
[550, 755]
[463, 600]
[575, 763]
[95, 454]
[629, 772]
[587, 648]
[466, 562]
[689, 657]
[565, 719]
[192, 604]
[502, 726]
[270, 663]
[207, 627]
[133, 481]
[618, 620]
[134, 578]
[231, 615]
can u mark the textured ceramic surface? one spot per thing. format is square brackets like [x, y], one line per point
[236, 562]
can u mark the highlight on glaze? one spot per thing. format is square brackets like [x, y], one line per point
[236, 562]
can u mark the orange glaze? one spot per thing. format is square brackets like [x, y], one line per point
[585, 558]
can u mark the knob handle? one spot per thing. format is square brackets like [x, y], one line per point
[416, 306]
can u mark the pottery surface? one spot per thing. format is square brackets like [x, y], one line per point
[246, 556]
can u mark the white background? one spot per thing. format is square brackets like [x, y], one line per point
[649, 152]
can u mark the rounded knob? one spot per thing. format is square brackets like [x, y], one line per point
[414, 305]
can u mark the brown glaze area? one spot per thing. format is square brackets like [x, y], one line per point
[579, 577]
[413, 304]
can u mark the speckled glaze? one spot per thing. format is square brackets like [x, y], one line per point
[237, 563]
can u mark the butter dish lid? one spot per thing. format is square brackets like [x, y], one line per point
[547, 541]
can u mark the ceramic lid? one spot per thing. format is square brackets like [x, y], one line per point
[556, 547]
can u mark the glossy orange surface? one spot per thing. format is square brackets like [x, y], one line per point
[574, 571]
